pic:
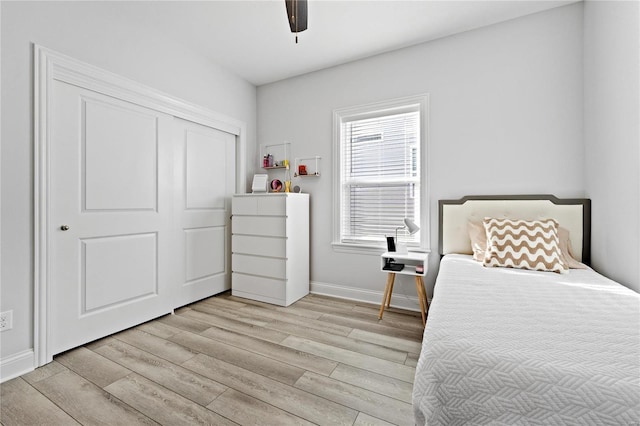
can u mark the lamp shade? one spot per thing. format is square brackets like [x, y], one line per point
[411, 226]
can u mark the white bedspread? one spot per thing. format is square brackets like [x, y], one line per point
[506, 346]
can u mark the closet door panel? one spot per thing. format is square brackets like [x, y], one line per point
[204, 252]
[110, 238]
[204, 181]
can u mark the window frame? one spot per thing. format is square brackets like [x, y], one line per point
[393, 106]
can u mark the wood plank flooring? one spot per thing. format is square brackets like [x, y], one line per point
[226, 360]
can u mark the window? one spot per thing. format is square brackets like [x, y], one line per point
[379, 173]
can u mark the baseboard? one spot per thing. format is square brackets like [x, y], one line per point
[16, 365]
[398, 299]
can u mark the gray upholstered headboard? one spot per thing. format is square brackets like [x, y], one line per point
[572, 214]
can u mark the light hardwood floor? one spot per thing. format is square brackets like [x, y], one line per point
[226, 360]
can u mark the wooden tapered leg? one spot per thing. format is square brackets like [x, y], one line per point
[393, 280]
[387, 290]
[421, 298]
[424, 293]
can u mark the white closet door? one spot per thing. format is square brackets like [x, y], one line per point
[111, 214]
[204, 163]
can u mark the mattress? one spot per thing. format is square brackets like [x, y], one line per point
[508, 346]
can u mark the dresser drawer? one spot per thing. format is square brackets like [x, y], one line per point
[262, 266]
[261, 246]
[261, 205]
[244, 205]
[269, 226]
[272, 206]
[268, 287]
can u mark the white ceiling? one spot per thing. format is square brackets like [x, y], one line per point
[252, 38]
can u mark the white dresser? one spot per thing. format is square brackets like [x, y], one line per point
[270, 247]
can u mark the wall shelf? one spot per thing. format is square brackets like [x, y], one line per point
[312, 165]
[280, 154]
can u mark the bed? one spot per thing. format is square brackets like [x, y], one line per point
[512, 346]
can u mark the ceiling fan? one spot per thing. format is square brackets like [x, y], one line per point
[297, 15]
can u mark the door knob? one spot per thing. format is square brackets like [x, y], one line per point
[64, 227]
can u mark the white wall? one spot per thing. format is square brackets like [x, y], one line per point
[96, 33]
[612, 136]
[505, 113]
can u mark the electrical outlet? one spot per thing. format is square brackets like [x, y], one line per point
[6, 320]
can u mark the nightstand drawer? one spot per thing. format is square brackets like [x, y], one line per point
[257, 265]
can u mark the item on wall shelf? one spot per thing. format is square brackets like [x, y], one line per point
[276, 185]
[260, 183]
[307, 166]
[267, 161]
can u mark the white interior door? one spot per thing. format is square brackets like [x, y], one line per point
[111, 183]
[204, 164]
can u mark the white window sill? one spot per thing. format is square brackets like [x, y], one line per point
[372, 250]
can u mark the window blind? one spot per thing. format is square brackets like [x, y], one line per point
[380, 176]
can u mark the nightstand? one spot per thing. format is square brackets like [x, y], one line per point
[413, 263]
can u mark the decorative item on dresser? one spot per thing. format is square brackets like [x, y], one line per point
[270, 247]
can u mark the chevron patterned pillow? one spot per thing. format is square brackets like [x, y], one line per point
[524, 244]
